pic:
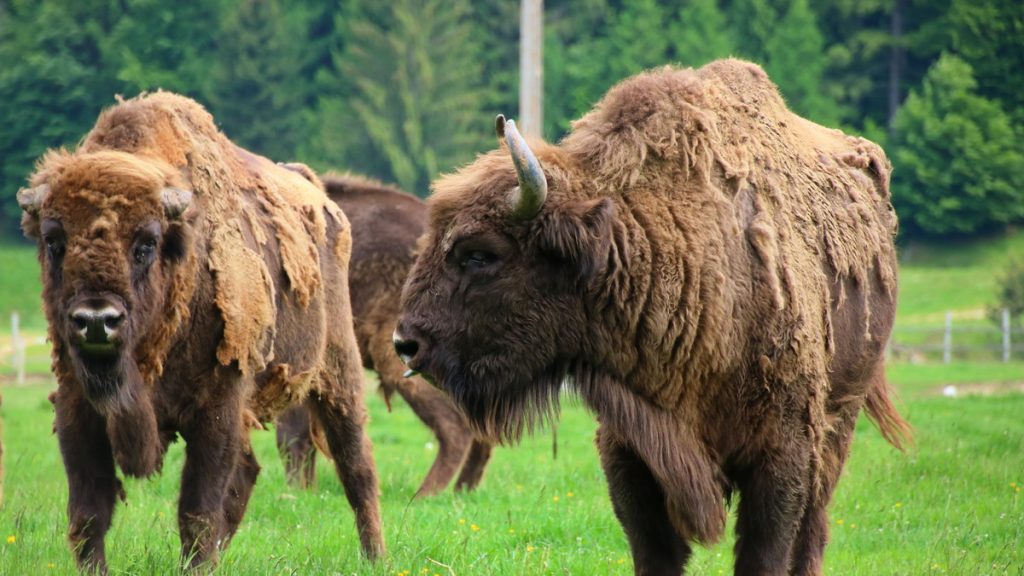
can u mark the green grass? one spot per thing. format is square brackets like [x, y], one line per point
[20, 287]
[953, 505]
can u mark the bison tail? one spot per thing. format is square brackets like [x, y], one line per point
[883, 413]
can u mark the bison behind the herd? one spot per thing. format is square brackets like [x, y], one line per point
[713, 275]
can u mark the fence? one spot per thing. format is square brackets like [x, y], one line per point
[967, 340]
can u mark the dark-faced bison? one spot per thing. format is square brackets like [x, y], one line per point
[191, 288]
[712, 274]
[386, 223]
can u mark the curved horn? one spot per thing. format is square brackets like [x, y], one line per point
[533, 185]
[31, 199]
[175, 201]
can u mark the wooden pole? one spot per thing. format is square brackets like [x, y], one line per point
[18, 345]
[1006, 335]
[531, 68]
[947, 339]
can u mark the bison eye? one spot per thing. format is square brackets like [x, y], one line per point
[476, 260]
[144, 251]
[54, 245]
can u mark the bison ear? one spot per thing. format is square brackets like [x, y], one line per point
[31, 199]
[580, 233]
[175, 201]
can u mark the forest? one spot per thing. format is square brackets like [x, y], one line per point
[407, 89]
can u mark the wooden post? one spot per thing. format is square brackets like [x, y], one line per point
[1006, 335]
[18, 345]
[947, 340]
[531, 68]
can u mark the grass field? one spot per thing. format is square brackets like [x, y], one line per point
[952, 505]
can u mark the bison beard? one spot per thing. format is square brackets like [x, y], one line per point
[715, 277]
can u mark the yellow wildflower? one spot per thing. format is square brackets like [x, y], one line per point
[570, 494]
[840, 522]
[530, 548]
[474, 528]
[462, 521]
[554, 498]
[12, 539]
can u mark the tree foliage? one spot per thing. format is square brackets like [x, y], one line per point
[404, 90]
[960, 163]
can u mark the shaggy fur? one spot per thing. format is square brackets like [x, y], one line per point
[386, 223]
[716, 278]
[226, 319]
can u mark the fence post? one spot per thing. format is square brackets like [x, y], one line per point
[947, 339]
[18, 346]
[1006, 334]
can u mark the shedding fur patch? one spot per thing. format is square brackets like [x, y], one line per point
[282, 389]
[245, 297]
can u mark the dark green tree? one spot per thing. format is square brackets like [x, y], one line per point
[794, 59]
[415, 92]
[53, 84]
[256, 91]
[698, 33]
[958, 164]
[990, 37]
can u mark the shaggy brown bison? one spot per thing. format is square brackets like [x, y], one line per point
[386, 223]
[191, 288]
[715, 277]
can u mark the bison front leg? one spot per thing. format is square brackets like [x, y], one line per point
[295, 443]
[93, 486]
[341, 411]
[639, 504]
[212, 452]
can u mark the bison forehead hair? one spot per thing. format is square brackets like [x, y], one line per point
[110, 241]
[496, 299]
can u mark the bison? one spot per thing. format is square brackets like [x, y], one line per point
[191, 288]
[386, 223]
[713, 275]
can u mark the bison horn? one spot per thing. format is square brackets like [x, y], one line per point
[31, 199]
[175, 201]
[533, 185]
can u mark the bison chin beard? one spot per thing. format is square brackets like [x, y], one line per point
[501, 409]
[115, 389]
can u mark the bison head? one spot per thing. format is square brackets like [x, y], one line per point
[111, 231]
[497, 308]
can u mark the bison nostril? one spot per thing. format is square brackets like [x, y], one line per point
[406, 348]
[80, 319]
[112, 319]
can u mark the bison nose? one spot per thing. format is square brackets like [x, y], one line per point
[406, 349]
[97, 325]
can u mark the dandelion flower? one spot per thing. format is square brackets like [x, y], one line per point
[474, 528]
[462, 521]
[840, 522]
[12, 539]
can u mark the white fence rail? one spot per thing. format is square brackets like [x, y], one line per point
[966, 340]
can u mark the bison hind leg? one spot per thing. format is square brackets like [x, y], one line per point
[338, 406]
[473, 469]
[774, 492]
[295, 443]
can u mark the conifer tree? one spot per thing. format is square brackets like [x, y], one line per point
[959, 166]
